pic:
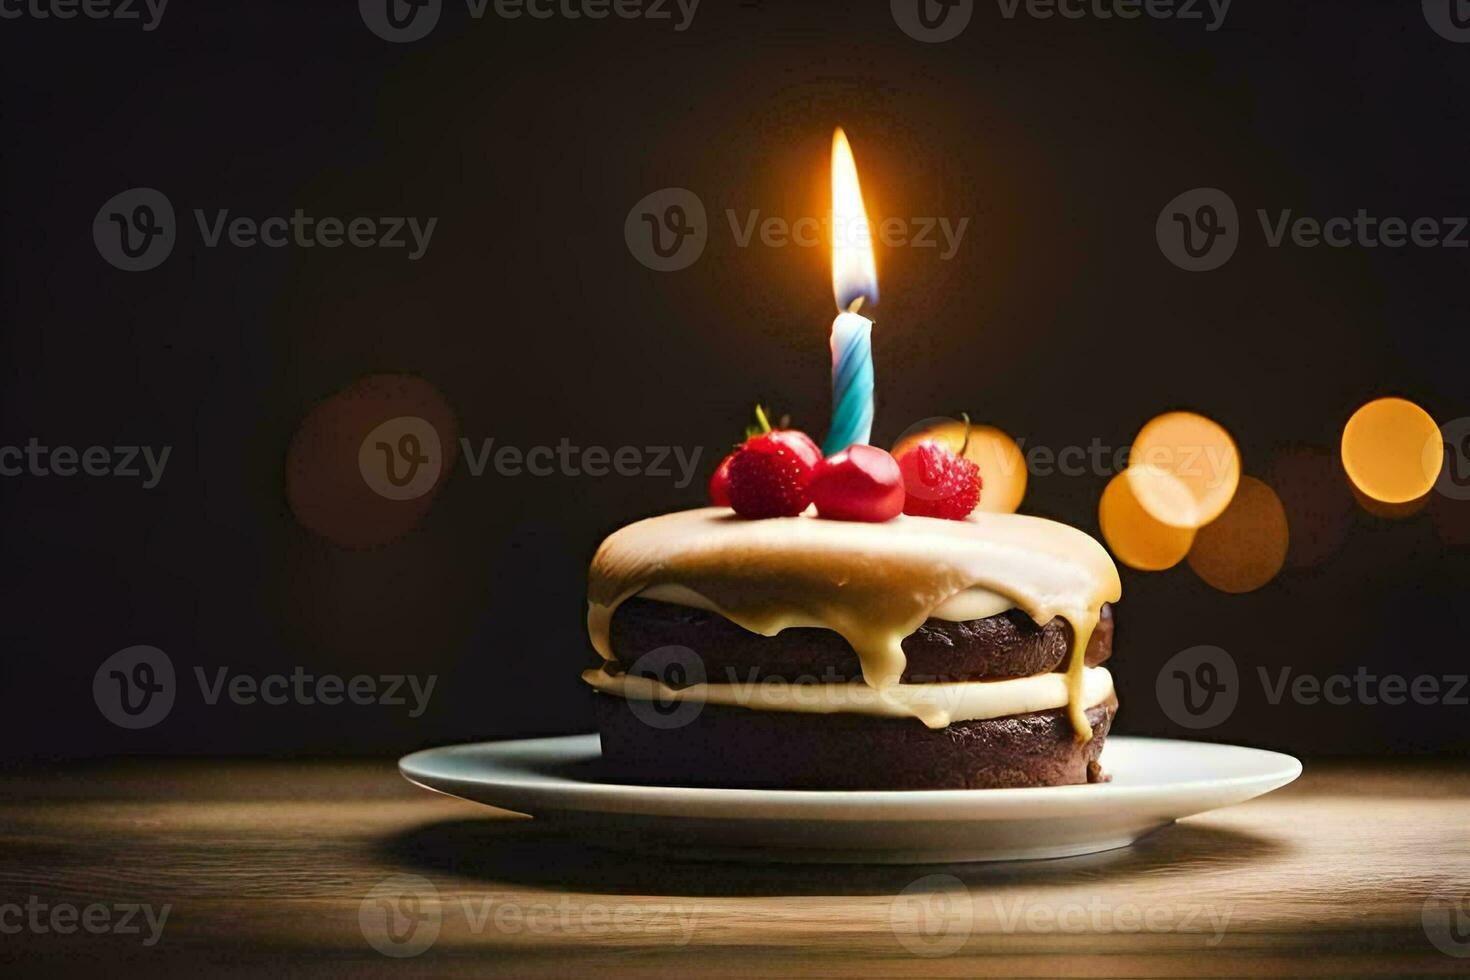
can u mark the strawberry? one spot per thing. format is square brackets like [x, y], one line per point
[770, 474]
[938, 483]
[719, 483]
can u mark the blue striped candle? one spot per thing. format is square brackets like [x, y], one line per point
[854, 281]
[852, 382]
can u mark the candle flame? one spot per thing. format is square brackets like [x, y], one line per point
[854, 275]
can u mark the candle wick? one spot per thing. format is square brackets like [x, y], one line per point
[856, 304]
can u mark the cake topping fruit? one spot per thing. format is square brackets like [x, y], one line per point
[771, 473]
[860, 483]
[719, 483]
[938, 482]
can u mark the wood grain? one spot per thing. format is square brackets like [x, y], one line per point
[269, 866]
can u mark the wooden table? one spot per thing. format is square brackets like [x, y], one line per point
[293, 867]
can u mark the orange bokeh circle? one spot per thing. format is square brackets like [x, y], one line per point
[1245, 547]
[1134, 536]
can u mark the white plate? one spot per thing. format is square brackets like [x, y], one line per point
[1155, 782]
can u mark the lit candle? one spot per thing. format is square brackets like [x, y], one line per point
[854, 282]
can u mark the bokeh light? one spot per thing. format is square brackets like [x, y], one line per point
[1183, 469]
[346, 460]
[1387, 511]
[1392, 451]
[1451, 517]
[1246, 546]
[1002, 465]
[1318, 502]
[1134, 536]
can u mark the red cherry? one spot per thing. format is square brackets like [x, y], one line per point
[719, 483]
[769, 474]
[861, 483]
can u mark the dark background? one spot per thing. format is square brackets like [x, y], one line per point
[1058, 320]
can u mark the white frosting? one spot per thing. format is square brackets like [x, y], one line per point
[935, 704]
[963, 606]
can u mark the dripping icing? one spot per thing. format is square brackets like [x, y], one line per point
[873, 584]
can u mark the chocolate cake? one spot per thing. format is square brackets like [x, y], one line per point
[803, 653]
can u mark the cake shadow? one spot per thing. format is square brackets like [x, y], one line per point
[542, 854]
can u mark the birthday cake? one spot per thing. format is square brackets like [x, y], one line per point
[851, 623]
[846, 620]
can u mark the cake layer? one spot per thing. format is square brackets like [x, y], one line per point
[734, 747]
[872, 584]
[936, 705]
[1006, 645]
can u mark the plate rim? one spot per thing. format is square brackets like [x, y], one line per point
[875, 805]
